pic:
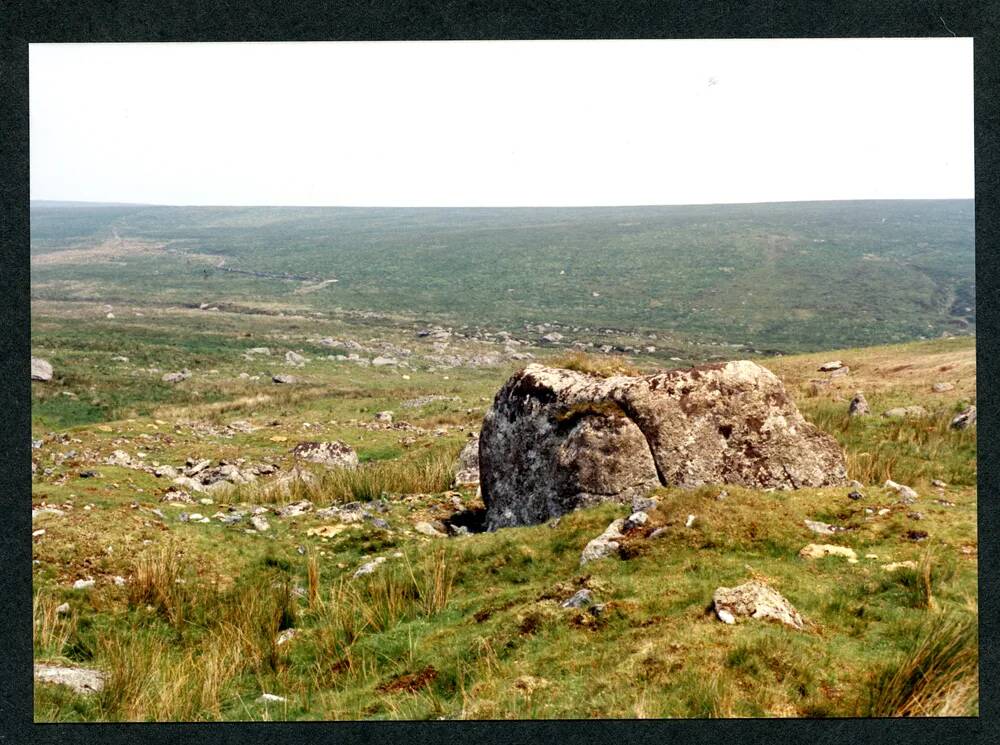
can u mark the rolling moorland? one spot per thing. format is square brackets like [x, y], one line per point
[241, 603]
[774, 277]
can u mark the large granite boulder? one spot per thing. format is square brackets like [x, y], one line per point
[555, 440]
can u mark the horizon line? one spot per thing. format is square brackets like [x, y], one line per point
[505, 206]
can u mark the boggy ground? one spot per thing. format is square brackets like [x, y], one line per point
[206, 617]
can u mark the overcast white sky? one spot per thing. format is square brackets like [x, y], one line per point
[502, 123]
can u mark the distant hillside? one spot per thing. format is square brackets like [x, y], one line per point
[783, 277]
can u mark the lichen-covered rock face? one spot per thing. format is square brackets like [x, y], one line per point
[555, 439]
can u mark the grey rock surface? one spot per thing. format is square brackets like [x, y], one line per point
[41, 369]
[754, 600]
[556, 440]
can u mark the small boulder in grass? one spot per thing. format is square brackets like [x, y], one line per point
[581, 599]
[859, 405]
[270, 698]
[754, 600]
[635, 520]
[41, 369]
[906, 494]
[965, 419]
[425, 528]
[820, 550]
[606, 544]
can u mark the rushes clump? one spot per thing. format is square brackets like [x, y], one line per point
[371, 480]
[52, 631]
[937, 676]
[356, 608]
[157, 582]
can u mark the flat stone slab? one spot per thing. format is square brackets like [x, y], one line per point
[82, 680]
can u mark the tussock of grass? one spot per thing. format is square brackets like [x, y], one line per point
[52, 631]
[371, 480]
[603, 366]
[937, 676]
[358, 610]
[156, 581]
[153, 677]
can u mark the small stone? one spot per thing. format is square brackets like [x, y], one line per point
[62, 609]
[916, 535]
[81, 680]
[754, 600]
[819, 550]
[384, 416]
[425, 528]
[831, 366]
[820, 528]
[856, 495]
[270, 698]
[938, 484]
[285, 379]
[658, 532]
[369, 567]
[259, 523]
[859, 405]
[897, 565]
[635, 520]
[915, 515]
[965, 419]
[83, 584]
[644, 504]
[906, 494]
[605, 544]
[331, 454]
[905, 412]
[41, 370]
[168, 472]
[176, 377]
[581, 599]
[943, 387]
[690, 521]
[294, 509]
